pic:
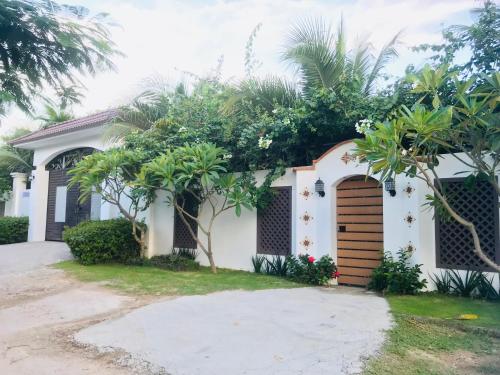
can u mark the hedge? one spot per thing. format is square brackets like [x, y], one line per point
[103, 241]
[13, 229]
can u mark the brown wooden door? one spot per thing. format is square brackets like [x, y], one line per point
[360, 233]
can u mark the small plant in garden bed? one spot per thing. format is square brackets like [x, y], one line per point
[174, 261]
[473, 284]
[397, 276]
[303, 268]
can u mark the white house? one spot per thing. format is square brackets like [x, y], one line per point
[352, 218]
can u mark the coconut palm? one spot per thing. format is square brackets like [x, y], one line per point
[323, 60]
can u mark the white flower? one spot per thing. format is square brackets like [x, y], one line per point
[265, 142]
[182, 129]
[286, 121]
[363, 126]
[227, 156]
[275, 111]
[404, 152]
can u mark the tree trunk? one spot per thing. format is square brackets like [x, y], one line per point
[210, 254]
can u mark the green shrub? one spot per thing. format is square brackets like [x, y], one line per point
[13, 229]
[305, 269]
[104, 241]
[175, 261]
[397, 276]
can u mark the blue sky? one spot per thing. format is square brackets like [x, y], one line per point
[163, 38]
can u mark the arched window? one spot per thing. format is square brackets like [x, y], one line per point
[68, 159]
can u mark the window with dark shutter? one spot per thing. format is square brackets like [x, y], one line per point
[454, 244]
[182, 237]
[274, 224]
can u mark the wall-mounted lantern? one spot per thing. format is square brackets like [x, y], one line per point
[390, 186]
[319, 187]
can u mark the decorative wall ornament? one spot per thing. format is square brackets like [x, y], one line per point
[346, 158]
[409, 219]
[306, 218]
[410, 248]
[408, 190]
[306, 193]
[306, 243]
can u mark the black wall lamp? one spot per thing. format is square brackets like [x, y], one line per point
[319, 187]
[390, 186]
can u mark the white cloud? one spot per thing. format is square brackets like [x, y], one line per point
[163, 37]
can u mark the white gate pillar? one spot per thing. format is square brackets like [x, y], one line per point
[18, 188]
[38, 204]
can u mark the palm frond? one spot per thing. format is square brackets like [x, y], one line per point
[265, 92]
[316, 52]
[141, 115]
[14, 161]
[388, 52]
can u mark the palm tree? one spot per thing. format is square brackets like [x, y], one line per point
[322, 59]
[264, 93]
[142, 113]
[53, 115]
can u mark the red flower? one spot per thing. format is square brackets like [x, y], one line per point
[310, 259]
[336, 274]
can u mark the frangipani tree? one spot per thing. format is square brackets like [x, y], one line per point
[112, 175]
[199, 172]
[468, 129]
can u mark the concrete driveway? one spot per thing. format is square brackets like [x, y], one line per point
[27, 256]
[41, 308]
[308, 331]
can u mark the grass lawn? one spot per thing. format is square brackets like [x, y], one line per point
[444, 345]
[155, 281]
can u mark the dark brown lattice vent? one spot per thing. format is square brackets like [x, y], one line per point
[182, 236]
[454, 244]
[274, 224]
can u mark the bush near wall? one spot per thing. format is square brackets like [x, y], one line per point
[104, 241]
[13, 229]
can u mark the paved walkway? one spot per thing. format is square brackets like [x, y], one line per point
[308, 331]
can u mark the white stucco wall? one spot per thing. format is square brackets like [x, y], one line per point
[234, 239]
[322, 230]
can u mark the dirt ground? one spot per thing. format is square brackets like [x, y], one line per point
[40, 310]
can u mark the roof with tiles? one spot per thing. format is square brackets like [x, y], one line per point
[90, 121]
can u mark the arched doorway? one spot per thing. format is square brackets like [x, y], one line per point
[63, 208]
[360, 234]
